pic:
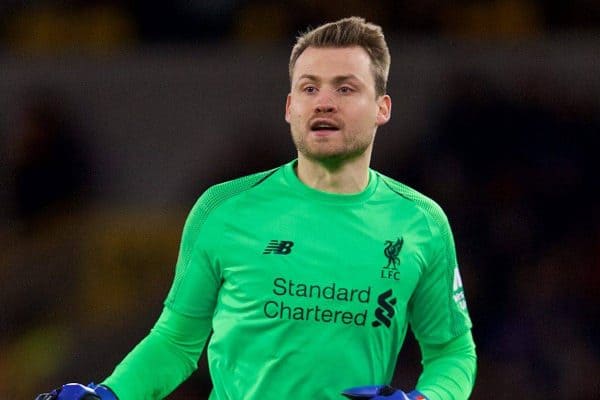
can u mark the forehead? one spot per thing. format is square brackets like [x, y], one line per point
[326, 62]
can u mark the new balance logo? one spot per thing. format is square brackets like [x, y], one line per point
[283, 247]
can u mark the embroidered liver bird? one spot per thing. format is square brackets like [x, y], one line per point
[392, 249]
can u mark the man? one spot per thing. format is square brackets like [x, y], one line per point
[308, 275]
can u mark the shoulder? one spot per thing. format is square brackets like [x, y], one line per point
[431, 214]
[424, 204]
[219, 194]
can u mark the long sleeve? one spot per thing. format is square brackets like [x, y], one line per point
[162, 360]
[449, 369]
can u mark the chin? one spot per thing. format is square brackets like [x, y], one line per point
[331, 157]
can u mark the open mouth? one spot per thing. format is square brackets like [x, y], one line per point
[324, 126]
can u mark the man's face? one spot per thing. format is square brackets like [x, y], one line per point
[332, 108]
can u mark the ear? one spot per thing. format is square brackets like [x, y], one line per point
[384, 111]
[287, 107]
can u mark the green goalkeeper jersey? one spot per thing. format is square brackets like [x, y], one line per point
[308, 293]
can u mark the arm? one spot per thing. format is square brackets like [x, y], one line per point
[157, 365]
[164, 359]
[170, 352]
[448, 369]
[448, 374]
[440, 320]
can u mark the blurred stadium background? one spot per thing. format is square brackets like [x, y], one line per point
[116, 115]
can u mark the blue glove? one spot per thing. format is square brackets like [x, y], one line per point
[381, 392]
[77, 391]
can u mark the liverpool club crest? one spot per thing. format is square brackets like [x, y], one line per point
[391, 252]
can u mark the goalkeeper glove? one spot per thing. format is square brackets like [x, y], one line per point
[77, 391]
[381, 392]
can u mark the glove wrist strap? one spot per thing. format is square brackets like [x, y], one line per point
[416, 395]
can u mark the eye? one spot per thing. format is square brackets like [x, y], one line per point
[345, 90]
[309, 89]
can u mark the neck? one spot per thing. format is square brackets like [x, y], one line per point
[344, 177]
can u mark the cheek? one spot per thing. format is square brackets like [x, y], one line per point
[362, 106]
[363, 114]
[291, 115]
[295, 112]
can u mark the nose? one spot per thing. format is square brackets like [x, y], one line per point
[325, 104]
[325, 108]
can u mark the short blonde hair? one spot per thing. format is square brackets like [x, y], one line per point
[347, 32]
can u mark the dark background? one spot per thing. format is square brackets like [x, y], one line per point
[115, 116]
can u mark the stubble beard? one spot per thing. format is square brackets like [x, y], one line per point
[328, 152]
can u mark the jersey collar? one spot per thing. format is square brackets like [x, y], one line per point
[300, 188]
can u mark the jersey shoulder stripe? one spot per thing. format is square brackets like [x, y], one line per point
[432, 209]
[217, 194]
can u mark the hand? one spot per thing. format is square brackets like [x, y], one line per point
[77, 391]
[381, 392]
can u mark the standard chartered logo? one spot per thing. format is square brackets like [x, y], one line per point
[321, 303]
[385, 312]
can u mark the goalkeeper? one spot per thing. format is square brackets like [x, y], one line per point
[305, 279]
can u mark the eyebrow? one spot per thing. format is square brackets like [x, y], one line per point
[337, 80]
